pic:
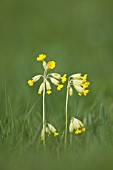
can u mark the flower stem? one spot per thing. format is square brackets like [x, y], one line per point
[44, 122]
[66, 125]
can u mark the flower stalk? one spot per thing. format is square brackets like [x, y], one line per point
[44, 122]
[66, 125]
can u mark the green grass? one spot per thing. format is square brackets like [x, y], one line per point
[20, 127]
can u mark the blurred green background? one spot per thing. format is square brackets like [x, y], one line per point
[78, 35]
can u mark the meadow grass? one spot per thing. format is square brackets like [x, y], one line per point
[20, 128]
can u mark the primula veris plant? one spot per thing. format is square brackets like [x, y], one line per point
[48, 78]
[80, 84]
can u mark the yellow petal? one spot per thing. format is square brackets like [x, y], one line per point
[83, 129]
[56, 134]
[63, 78]
[49, 92]
[85, 92]
[60, 86]
[30, 82]
[41, 57]
[84, 78]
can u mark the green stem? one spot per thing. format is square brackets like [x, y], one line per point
[44, 115]
[66, 125]
[44, 122]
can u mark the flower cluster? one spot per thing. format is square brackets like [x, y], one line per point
[76, 125]
[80, 83]
[54, 78]
[50, 129]
[76, 81]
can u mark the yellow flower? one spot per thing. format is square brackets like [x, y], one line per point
[60, 86]
[51, 64]
[78, 131]
[41, 57]
[84, 93]
[84, 78]
[83, 129]
[56, 134]
[63, 78]
[30, 82]
[49, 92]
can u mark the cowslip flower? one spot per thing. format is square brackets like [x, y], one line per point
[30, 82]
[49, 129]
[41, 57]
[60, 86]
[76, 125]
[80, 83]
[51, 64]
[53, 77]
[53, 130]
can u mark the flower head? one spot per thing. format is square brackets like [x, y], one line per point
[80, 83]
[76, 125]
[51, 64]
[41, 57]
[47, 78]
[51, 129]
